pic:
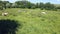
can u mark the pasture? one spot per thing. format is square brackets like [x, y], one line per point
[34, 21]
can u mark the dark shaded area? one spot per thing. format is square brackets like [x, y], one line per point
[8, 26]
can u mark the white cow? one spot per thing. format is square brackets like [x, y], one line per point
[43, 12]
[4, 14]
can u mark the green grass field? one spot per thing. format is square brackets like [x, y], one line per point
[33, 21]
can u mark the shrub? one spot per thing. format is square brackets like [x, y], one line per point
[33, 7]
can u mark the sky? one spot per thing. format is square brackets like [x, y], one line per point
[37, 1]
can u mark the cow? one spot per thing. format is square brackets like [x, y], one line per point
[4, 14]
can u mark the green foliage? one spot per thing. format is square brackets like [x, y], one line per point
[33, 7]
[58, 7]
[49, 6]
[37, 5]
[23, 4]
[27, 4]
[41, 5]
[1, 8]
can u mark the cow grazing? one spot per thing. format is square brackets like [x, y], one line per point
[4, 14]
[43, 12]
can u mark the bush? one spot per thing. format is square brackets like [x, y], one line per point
[58, 7]
[1, 8]
[33, 7]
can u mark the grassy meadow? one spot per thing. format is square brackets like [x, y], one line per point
[33, 21]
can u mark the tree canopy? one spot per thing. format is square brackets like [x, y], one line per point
[27, 4]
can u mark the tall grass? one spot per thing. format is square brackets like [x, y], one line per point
[34, 22]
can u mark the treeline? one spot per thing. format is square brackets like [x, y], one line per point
[27, 4]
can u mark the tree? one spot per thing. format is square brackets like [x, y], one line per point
[42, 5]
[30, 5]
[24, 4]
[49, 6]
[20, 3]
[1, 8]
[37, 5]
[4, 3]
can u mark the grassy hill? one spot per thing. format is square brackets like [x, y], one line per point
[34, 21]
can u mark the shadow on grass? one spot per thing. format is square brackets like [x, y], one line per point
[8, 26]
